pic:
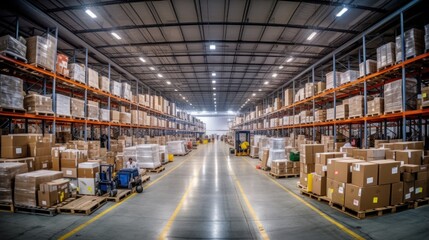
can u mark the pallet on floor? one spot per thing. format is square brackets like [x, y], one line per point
[319, 198]
[85, 205]
[275, 175]
[368, 213]
[421, 202]
[145, 178]
[7, 207]
[156, 170]
[121, 195]
[43, 211]
[183, 154]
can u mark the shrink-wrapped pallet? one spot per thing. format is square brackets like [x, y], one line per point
[126, 91]
[371, 67]
[393, 95]
[11, 92]
[413, 44]
[320, 115]
[62, 65]
[356, 106]
[41, 51]
[386, 55]
[146, 155]
[135, 117]
[330, 114]
[348, 76]
[104, 115]
[13, 46]
[115, 88]
[93, 110]
[104, 83]
[77, 108]
[125, 117]
[176, 147]
[63, 105]
[309, 90]
[376, 106]
[427, 37]
[114, 116]
[37, 103]
[8, 171]
[77, 72]
[93, 78]
[342, 111]
[330, 79]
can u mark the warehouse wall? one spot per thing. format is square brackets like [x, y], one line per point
[216, 125]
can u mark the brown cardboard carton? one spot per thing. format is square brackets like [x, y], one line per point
[307, 168]
[54, 192]
[343, 170]
[17, 151]
[321, 169]
[69, 172]
[8, 171]
[364, 174]
[319, 185]
[88, 169]
[338, 194]
[409, 192]
[47, 199]
[42, 162]
[330, 184]
[365, 198]
[303, 179]
[397, 193]
[409, 156]
[28, 160]
[422, 176]
[388, 171]
[411, 168]
[408, 177]
[308, 152]
[322, 158]
[420, 189]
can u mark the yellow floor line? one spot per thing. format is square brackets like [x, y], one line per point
[324, 215]
[85, 224]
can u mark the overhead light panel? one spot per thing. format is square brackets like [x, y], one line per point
[274, 75]
[152, 68]
[254, 94]
[289, 59]
[213, 74]
[190, 104]
[168, 82]
[340, 13]
[214, 88]
[259, 89]
[266, 82]
[281, 67]
[175, 90]
[90, 13]
[212, 47]
[142, 59]
[116, 36]
[184, 98]
[214, 94]
[312, 35]
[160, 75]
[214, 99]
[213, 81]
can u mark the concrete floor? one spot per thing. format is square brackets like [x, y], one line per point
[211, 194]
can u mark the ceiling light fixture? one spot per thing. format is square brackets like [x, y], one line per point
[90, 13]
[142, 59]
[254, 94]
[116, 36]
[213, 74]
[160, 75]
[274, 75]
[214, 88]
[212, 47]
[289, 59]
[281, 67]
[152, 68]
[340, 13]
[175, 90]
[168, 82]
[259, 89]
[190, 104]
[213, 81]
[214, 94]
[312, 35]
[266, 82]
[184, 98]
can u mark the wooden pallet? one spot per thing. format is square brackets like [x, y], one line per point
[13, 55]
[7, 207]
[63, 116]
[103, 90]
[85, 205]
[275, 175]
[43, 211]
[369, 213]
[421, 202]
[156, 170]
[93, 119]
[375, 114]
[9, 109]
[79, 118]
[319, 198]
[145, 178]
[121, 195]
[394, 111]
[42, 67]
[353, 117]
[42, 113]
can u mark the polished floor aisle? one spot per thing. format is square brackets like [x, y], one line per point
[207, 194]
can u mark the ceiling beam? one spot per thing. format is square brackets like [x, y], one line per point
[339, 4]
[198, 24]
[143, 44]
[97, 4]
[211, 64]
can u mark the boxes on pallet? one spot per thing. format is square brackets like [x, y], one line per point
[13, 46]
[63, 105]
[409, 191]
[53, 192]
[27, 185]
[62, 65]
[330, 79]
[335, 191]
[364, 174]
[365, 198]
[77, 108]
[348, 76]
[104, 83]
[342, 111]
[115, 88]
[8, 171]
[77, 72]
[376, 106]
[38, 103]
[388, 171]
[320, 87]
[413, 44]
[396, 193]
[147, 156]
[393, 95]
[93, 80]
[343, 170]
[41, 51]
[104, 115]
[386, 55]
[309, 90]
[11, 89]
[288, 97]
[356, 106]
[319, 184]
[409, 156]
[370, 65]
[320, 115]
[114, 116]
[93, 110]
[87, 177]
[13, 146]
[126, 90]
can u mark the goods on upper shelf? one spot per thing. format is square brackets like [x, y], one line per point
[13, 46]
[41, 51]
[11, 89]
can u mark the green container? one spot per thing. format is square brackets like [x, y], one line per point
[294, 156]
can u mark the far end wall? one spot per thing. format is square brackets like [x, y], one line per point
[216, 125]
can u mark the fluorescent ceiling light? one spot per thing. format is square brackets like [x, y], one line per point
[90, 13]
[214, 88]
[168, 82]
[190, 104]
[248, 99]
[312, 35]
[274, 75]
[214, 94]
[214, 98]
[340, 13]
[213, 74]
[152, 68]
[213, 81]
[180, 94]
[281, 67]
[116, 36]
[212, 47]
[254, 94]
[184, 98]
[160, 75]
[142, 59]
[266, 82]
[289, 59]
[175, 90]
[259, 89]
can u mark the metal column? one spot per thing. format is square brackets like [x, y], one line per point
[404, 95]
[365, 109]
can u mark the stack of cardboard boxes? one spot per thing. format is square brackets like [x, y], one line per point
[8, 172]
[62, 65]
[35, 103]
[307, 158]
[93, 80]
[77, 72]
[11, 89]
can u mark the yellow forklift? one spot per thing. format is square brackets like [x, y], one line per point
[242, 143]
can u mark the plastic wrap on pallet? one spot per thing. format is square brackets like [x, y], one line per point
[27, 185]
[125, 117]
[126, 91]
[42, 51]
[393, 95]
[93, 110]
[62, 65]
[77, 72]
[63, 105]
[176, 147]
[320, 115]
[427, 37]
[263, 143]
[356, 106]
[288, 97]
[38, 103]
[371, 67]
[330, 79]
[413, 44]
[11, 92]
[104, 115]
[148, 156]
[277, 143]
[348, 76]
[276, 155]
[93, 78]
[77, 108]
[104, 83]
[330, 114]
[134, 116]
[386, 55]
[163, 152]
[342, 111]
[309, 90]
[376, 106]
[115, 88]
[13, 46]
[8, 171]
[114, 116]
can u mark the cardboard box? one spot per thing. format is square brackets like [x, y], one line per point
[54, 192]
[409, 192]
[307, 168]
[420, 189]
[388, 171]
[303, 179]
[330, 184]
[408, 177]
[343, 170]
[308, 152]
[409, 156]
[69, 172]
[88, 169]
[321, 169]
[364, 174]
[87, 186]
[365, 198]
[8, 171]
[397, 193]
[322, 158]
[29, 161]
[319, 185]
[411, 168]
[339, 191]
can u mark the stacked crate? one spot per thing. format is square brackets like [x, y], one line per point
[349, 76]
[371, 67]
[356, 106]
[330, 79]
[386, 55]
[413, 44]
[393, 95]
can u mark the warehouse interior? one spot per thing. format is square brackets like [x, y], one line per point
[214, 119]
